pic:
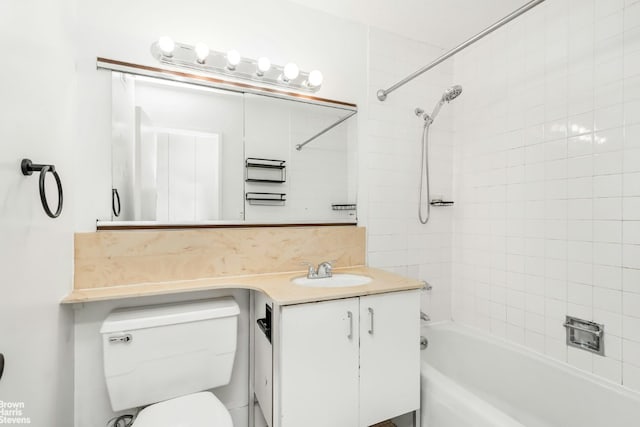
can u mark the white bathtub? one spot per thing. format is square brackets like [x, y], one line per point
[471, 379]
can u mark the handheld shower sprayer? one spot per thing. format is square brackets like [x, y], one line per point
[452, 93]
[449, 95]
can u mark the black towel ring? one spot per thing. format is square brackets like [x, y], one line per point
[115, 197]
[28, 167]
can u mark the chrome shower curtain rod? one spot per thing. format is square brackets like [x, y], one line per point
[382, 93]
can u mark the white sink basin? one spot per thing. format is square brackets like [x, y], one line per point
[335, 281]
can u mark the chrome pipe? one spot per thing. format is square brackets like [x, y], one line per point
[382, 93]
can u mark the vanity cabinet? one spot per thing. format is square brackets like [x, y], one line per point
[389, 356]
[319, 357]
[348, 362]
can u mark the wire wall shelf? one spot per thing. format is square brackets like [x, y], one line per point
[344, 207]
[266, 199]
[265, 170]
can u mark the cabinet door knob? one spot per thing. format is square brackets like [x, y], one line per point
[350, 317]
[370, 320]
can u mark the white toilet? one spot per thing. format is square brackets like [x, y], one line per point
[165, 356]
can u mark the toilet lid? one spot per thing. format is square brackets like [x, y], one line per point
[193, 410]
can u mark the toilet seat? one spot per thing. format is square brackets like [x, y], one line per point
[193, 410]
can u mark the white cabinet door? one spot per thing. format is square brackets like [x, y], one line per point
[319, 368]
[389, 355]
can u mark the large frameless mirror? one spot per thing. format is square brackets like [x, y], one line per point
[190, 154]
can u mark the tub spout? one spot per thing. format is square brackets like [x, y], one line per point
[424, 316]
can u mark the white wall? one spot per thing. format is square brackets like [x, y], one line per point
[37, 115]
[547, 183]
[390, 157]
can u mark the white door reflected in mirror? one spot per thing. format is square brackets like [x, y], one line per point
[187, 179]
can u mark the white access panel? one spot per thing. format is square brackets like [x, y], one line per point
[389, 356]
[319, 369]
[263, 362]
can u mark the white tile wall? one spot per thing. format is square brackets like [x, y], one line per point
[396, 240]
[547, 189]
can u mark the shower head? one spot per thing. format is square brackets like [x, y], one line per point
[452, 93]
[449, 95]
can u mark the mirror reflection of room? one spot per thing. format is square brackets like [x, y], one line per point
[317, 176]
[189, 154]
[173, 146]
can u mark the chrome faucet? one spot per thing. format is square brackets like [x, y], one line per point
[311, 272]
[424, 316]
[325, 269]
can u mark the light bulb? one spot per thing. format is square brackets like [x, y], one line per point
[233, 59]
[202, 52]
[291, 71]
[166, 45]
[263, 65]
[315, 79]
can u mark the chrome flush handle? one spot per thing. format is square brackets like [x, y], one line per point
[120, 339]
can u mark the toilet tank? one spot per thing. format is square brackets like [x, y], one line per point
[159, 352]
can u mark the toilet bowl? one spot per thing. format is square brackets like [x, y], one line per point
[194, 410]
[164, 358]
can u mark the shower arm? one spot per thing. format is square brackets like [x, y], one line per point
[382, 93]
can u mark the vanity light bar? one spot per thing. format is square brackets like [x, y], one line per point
[200, 57]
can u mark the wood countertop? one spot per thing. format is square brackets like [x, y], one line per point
[276, 286]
